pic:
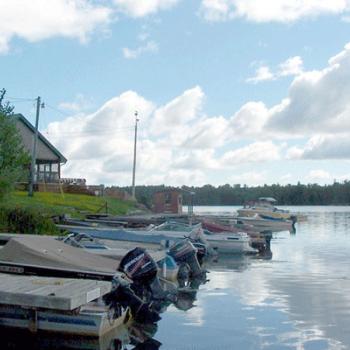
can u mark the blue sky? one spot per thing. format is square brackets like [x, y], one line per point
[228, 91]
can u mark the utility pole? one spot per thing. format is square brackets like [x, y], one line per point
[35, 141]
[134, 165]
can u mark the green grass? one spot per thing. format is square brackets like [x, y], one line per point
[74, 204]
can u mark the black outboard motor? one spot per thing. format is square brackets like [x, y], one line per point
[141, 336]
[122, 296]
[202, 251]
[184, 252]
[139, 266]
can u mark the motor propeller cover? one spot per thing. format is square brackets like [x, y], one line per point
[185, 252]
[139, 266]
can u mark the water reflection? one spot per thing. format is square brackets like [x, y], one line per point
[297, 300]
[131, 335]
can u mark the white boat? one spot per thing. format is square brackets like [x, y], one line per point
[165, 234]
[225, 243]
[265, 206]
[266, 224]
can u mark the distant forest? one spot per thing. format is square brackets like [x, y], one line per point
[311, 194]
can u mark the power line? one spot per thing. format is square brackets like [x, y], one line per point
[100, 130]
[58, 110]
[93, 132]
[9, 98]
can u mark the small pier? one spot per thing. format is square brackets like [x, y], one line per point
[49, 292]
[63, 305]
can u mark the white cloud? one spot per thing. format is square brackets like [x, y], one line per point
[177, 178]
[150, 47]
[263, 73]
[317, 104]
[270, 10]
[143, 8]
[317, 101]
[291, 67]
[208, 133]
[254, 152]
[40, 19]
[196, 159]
[249, 120]
[178, 113]
[319, 175]
[286, 178]
[79, 104]
[101, 144]
[99, 136]
[249, 178]
[323, 147]
[179, 142]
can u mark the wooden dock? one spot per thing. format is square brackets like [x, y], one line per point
[59, 305]
[48, 292]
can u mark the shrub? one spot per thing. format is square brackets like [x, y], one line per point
[26, 220]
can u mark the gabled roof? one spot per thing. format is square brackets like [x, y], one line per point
[41, 137]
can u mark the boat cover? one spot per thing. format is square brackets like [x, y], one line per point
[48, 252]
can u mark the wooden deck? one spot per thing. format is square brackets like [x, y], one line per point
[49, 293]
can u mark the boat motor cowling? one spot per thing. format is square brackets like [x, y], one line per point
[122, 297]
[140, 267]
[184, 252]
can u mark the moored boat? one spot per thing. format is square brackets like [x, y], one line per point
[264, 223]
[169, 233]
[265, 206]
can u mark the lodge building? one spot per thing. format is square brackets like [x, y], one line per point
[48, 158]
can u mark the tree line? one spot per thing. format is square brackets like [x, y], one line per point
[337, 193]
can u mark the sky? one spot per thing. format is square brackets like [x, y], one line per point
[227, 91]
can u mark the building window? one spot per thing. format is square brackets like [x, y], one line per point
[47, 172]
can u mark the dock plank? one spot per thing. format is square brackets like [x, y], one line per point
[49, 292]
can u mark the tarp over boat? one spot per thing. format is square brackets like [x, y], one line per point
[48, 252]
[141, 236]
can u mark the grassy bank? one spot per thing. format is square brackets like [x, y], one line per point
[75, 205]
[20, 213]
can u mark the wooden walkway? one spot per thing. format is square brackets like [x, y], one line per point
[48, 292]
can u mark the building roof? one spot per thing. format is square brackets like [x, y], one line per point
[41, 137]
[267, 199]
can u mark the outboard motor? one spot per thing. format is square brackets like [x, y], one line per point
[202, 251]
[184, 252]
[139, 266]
[141, 336]
[122, 296]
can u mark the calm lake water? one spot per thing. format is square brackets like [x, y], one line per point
[297, 299]
[300, 299]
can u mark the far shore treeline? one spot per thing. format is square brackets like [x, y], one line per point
[299, 194]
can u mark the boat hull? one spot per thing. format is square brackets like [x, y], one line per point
[86, 322]
[268, 225]
[225, 244]
[273, 214]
